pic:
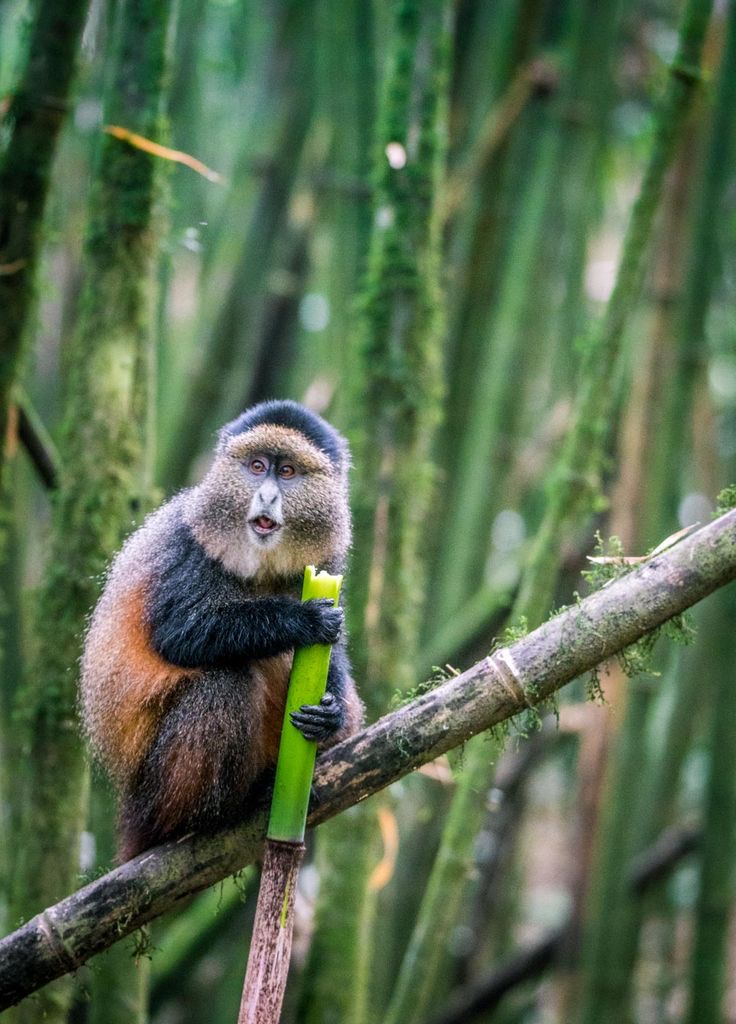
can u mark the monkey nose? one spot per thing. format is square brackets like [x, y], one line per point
[268, 494]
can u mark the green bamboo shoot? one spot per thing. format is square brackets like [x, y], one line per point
[296, 754]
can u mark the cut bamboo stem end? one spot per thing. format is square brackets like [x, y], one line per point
[270, 949]
[295, 765]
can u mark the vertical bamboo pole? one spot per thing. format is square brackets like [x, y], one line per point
[610, 941]
[584, 447]
[103, 449]
[498, 363]
[714, 911]
[223, 363]
[395, 413]
[572, 489]
[35, 117]
[270, 948]
[617, 756]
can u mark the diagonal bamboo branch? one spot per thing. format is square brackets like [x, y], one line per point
[37, 442]
[64, 936]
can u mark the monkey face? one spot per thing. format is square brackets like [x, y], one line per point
[272, 503]
[271, 475]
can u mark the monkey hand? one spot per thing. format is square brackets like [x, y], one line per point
[319, 722]
[322, 622]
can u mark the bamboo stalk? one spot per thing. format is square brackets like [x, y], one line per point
[709, 974]
[35, 118]
[614, 809]
[211, 396]
[573, 486]
[270, 948]
[482, 995]
[295, 765]
[103, 443]
[396, 405]
[514, 318]
[416, 984]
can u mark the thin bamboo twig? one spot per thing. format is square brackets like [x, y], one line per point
[64, 936]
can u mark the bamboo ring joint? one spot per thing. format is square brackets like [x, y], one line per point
[55, 942]
[507, 672]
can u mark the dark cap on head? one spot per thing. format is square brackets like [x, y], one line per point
[292, 415]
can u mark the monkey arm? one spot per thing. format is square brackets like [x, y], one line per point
[199, 616]
[203, 635]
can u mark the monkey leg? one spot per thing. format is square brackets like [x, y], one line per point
[200, 770]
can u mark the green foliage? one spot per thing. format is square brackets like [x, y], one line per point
[143, 947]
[726, 500]
[440, 674]
[512, 632]
[611, 563]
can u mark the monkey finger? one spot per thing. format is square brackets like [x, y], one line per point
[316, 732]
[306, 721]
[319, 713]
[314, 727]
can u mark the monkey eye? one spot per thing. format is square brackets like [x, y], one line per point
[287, 471]
[258, 466]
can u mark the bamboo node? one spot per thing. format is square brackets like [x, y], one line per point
[55, 942]
[507, 671]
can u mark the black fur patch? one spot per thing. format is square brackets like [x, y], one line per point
[201, 616]
[285, 413]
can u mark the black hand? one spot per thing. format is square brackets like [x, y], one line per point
[318, 722]
[322, 623]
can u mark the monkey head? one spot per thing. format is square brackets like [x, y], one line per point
[276, 496]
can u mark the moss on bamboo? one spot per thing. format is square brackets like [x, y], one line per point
[400, 348]
[102, 446]
[34, 120]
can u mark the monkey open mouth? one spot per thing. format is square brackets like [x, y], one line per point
[264, 525]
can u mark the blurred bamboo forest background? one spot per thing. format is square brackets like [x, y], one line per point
[495, 242]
